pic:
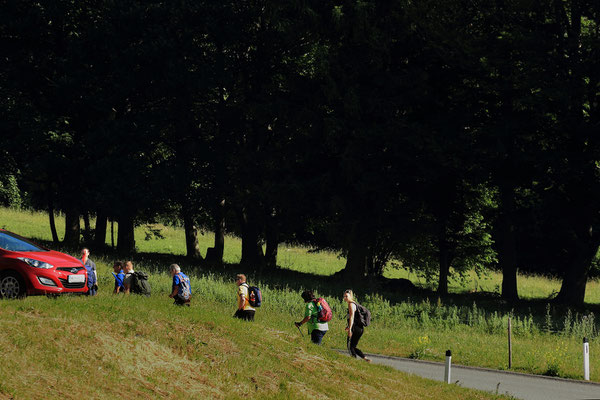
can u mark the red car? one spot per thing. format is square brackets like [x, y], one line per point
[29, 269]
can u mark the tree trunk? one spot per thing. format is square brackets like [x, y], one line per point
[252, 252]
[52, 221]
[272, 236]
[214, 255]
[72, 228]
[100, 231]
[220, 232]
[583, 251]
[126, 235]
[191, 233]
[507, 252]
[572, 290]
[506, 177]
[371, 268]
[444, 260]
[581, 189]
[87, 228]
[112, 233]
[358, 254]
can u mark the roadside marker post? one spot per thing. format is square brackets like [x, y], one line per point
[586, 359]
[447, 372]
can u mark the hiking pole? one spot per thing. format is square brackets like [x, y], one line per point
[299, 330]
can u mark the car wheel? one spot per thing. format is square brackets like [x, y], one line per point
[12, 286]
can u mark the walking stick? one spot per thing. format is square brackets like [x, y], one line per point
[299, 330]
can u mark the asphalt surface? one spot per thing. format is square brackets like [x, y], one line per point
[520, 386]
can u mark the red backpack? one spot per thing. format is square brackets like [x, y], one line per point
[324, 313]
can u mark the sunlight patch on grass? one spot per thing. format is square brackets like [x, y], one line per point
[297, 258]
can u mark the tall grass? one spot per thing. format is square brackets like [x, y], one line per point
[36, 225]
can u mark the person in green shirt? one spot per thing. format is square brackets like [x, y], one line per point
[316, 329]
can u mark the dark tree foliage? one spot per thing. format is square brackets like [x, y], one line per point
[442, 136]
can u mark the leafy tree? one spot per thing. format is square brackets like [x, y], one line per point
[574, 172]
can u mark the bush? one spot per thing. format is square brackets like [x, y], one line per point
[10, 195]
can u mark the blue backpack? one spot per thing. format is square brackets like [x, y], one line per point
[254, 296]
[185, 291]
[91, 275]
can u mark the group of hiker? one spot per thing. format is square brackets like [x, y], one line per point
[126, 279]
[317, 312]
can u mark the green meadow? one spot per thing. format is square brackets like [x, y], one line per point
[35, 225]
[110, 347]
[206, 342]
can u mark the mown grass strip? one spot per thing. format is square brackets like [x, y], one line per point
[109, 346]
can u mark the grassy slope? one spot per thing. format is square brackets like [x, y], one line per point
[131, 347]
[111, 346]
[396, 334]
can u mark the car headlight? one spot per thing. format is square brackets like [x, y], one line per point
[36, 263]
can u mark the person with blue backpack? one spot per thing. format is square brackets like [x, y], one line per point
[316, 315]
[181, 288]
[119, 277]
[245, 310]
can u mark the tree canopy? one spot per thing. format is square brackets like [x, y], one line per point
[447, 136]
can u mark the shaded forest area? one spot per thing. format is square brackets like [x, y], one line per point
[446, 136]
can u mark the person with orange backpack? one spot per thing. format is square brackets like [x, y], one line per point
[316, 314]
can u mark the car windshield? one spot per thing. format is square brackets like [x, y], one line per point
[12, 242]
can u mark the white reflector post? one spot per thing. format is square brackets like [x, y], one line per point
[447, 372]
[586, 359]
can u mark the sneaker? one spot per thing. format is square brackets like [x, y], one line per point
[367, 360]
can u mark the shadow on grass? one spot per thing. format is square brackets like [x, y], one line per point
[395, 291]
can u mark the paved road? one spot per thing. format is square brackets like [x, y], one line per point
[521, 386]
